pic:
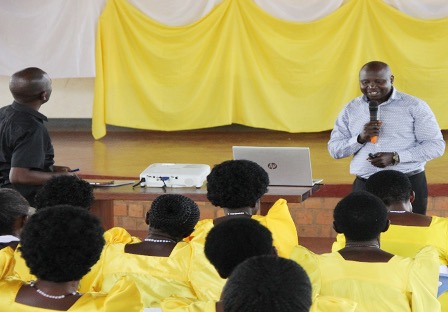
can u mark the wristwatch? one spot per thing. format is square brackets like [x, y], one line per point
[395, 159]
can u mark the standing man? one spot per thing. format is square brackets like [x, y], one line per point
[403, 133]
[26, 152]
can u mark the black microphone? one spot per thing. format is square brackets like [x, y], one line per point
[373, 109]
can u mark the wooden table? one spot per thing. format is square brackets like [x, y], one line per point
[103, 206]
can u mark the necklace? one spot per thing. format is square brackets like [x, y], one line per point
[362, 245]
[237, 213]
[44, 294]
[152, 240]
[398, 211]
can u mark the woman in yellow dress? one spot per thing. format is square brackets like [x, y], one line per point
[59, 245]
[375, 279]
[162, 265]
[409, 231]
[237, 187]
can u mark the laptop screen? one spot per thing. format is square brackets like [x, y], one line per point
[287, 166]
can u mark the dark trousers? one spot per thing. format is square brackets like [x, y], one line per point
[419, 186]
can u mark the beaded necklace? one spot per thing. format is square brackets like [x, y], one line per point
[44, 294]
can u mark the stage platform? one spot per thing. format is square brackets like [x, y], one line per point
[124, 153]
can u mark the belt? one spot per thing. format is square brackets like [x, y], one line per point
[408, 174]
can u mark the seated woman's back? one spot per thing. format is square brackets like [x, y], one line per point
[361, 272]
[164, 263]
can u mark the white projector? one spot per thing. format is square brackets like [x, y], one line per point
[174, 175]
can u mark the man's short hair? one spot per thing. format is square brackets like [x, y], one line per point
[390, 186]
[236, 184]
[267, 284]
[12, 206]
[232, 241]
[360, 216]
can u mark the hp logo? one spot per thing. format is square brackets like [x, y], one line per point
[272, 166]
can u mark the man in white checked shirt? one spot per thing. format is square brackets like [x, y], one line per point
[405, 136]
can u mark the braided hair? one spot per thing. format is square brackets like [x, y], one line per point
[174, 214]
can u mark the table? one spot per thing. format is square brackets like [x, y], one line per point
[103, 206]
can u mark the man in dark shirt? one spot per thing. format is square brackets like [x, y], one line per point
[26, 151]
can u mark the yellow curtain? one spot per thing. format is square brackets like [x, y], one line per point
[240, 65]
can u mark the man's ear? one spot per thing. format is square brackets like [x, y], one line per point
[412, 197]
[387, 226]
[147, 217]
[392, 79]
[335, 227]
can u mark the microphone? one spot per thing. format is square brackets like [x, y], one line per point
[373, 109]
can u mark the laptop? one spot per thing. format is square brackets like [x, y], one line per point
[286, 166]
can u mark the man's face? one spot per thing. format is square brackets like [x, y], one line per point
[376, 84]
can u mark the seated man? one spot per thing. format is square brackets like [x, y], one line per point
[267, 284]
[408, 232]
[26, 152]
[376, 280]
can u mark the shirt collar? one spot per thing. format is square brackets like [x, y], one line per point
[28, 110]
[8, 239]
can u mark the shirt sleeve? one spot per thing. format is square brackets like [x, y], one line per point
[310, 263]
[29, 150]
[429, 138]
[279, 221]
[123, 296]
[343, 143]
[423, 280]
[339, 243]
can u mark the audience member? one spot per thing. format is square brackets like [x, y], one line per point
[231, 242]
[26, 152]
[163, 264]
[408, 232]
[60, 244]
[406, 129]
[364, 273]
[65, 190]
[14, 211]
[227, 245]
[267, 284]
[237, 186]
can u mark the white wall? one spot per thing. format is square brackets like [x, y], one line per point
[71, 98]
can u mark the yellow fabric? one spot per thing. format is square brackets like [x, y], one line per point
[115, 235]
[123, 296]
[238, 64]
[397, 285]
[443, 299]
[406, 241]
[278, 220]
[7, 262]
[156, 277]
[112, 236]
[332, 304]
